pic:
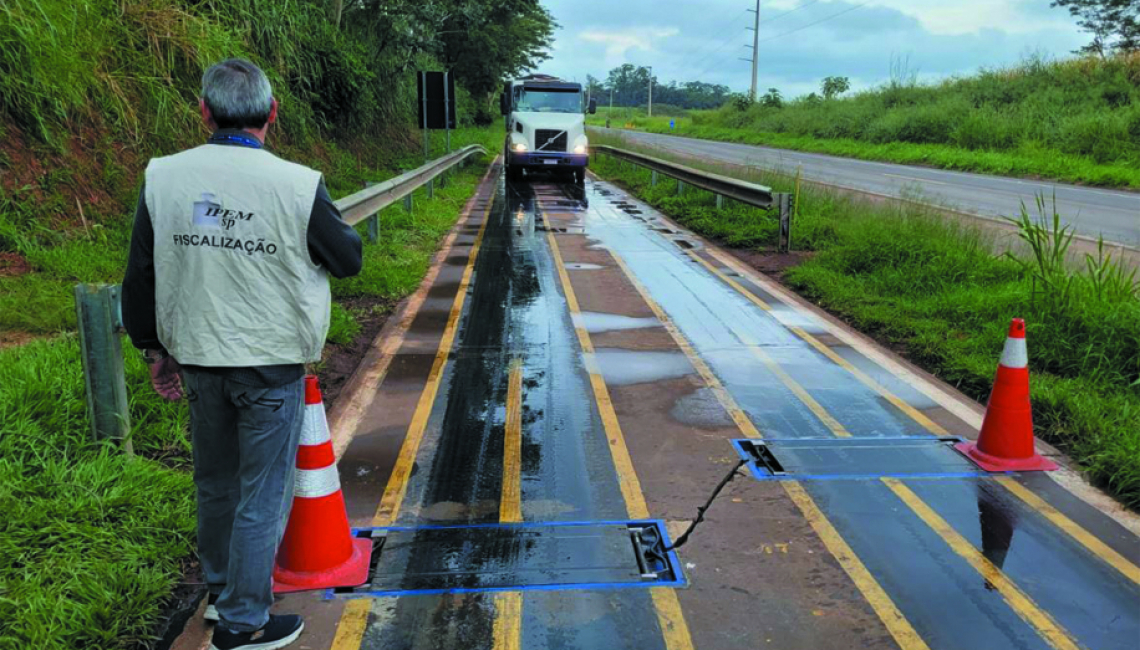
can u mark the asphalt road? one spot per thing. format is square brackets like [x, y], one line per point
[1092, 212]
[577, 373]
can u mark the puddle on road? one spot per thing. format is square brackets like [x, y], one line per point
[595, 322]
[700, 409]
[623, 367]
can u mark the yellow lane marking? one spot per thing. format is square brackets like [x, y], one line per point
[1050, 630]
[349, 409]
[738, 415]
[398, 482]
[510, 508]
[627, 478]
[1068, 526]
[508, 605]
[730, 282]
[914, 413]
[815, 407]
[897, 624]
[674, 629]
[508, 620]
[353, 623]
[1106, 553]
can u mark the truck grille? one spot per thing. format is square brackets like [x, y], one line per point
[542, 136]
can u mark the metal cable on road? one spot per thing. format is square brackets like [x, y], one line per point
[708, 504]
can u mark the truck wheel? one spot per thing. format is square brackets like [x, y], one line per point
[513, 172]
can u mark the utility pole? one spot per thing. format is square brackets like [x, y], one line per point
[755, 45]
[650, 91]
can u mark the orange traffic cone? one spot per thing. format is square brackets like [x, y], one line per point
[1006, 441]
[318, 550]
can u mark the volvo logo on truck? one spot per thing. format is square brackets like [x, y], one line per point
[546, 126]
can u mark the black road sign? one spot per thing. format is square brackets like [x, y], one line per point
[436, 91]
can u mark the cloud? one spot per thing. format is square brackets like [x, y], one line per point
[618, 43]
[931, 39]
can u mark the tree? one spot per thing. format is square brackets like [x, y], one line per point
[484, 42]
[833, 87]
[1114, 24]
[772, 98]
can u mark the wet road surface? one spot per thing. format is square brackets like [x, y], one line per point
[1115, 214]
[580, 361]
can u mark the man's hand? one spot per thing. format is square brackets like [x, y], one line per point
[165, 378]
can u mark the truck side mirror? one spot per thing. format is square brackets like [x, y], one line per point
[593, 106]
[504, 106]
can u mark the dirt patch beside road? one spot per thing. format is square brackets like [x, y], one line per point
[340, 361]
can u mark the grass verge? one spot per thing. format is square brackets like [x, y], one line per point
[1074, 120]
[91, 542]
[937, 290]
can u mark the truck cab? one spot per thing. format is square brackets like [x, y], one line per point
[546, 126]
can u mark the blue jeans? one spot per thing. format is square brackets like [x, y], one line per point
[245, 452]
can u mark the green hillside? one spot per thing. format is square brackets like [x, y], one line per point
[92, 542]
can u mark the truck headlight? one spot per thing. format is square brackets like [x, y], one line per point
[580, 149]
[520, 146]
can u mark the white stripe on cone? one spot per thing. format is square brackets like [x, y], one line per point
[314, 425]
[1015, 354]
[316, 483]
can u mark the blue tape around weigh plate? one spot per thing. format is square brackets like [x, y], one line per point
[763, 475]
[659, 524]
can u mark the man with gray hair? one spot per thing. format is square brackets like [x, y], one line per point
[227, 294]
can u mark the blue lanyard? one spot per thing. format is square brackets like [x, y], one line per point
[235, 138]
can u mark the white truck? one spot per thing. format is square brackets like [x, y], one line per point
[546, 126]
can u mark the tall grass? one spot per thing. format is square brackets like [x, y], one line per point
[1075, 120]
[941, 292]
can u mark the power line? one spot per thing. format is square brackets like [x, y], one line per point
[823, 20]
[791, 11]
[721, 47]
[735, 18]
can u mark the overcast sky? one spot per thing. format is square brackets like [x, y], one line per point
[864, 41]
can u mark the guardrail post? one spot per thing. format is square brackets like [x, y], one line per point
[408, 203]
[373, 221]
[653, 179]
[719, 201]
[784, 200]
[430, 188]
[99, 313]
[680, 188]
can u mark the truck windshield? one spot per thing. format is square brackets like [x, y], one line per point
[547, 101]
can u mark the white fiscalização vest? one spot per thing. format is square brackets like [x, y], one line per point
[234, 283]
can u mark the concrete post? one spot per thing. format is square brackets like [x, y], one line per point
[99, 313]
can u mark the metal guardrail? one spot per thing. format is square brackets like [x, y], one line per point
[752, 194]
[99, 312]
[733, 188]
[367, 202]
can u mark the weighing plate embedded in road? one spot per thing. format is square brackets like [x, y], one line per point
[517, 557]
[855, 458]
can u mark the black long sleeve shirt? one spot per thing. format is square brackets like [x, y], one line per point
[332, 244]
